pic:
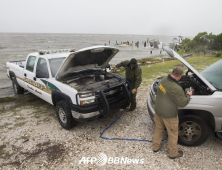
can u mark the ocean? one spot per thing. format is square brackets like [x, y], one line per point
[16, 46]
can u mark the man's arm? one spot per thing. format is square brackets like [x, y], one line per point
[121, 64]
[180, 98]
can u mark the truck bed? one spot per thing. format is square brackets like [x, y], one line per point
[20, 63]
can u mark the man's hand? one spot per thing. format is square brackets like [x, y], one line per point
[133, 91]
[114, 70]
[190, 93]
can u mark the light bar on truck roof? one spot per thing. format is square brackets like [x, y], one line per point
[42, 52]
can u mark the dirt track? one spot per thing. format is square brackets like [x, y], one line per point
[31, 138]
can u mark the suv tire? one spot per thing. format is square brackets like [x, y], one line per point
[193, 130]
[64, 115]
[16, 87]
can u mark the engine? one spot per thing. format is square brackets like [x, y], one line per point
[93, 81]
[189, 81]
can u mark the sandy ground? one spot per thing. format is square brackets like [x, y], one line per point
[32, 138]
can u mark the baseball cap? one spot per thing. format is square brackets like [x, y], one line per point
[133, 62]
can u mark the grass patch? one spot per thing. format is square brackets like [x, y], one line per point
[19, 118]
[19, 124]
[37, 115]
[5, 125]
[46, 119]
[40, 113]
[218, 54]
[3, 154]
[7, 99]
[25, 137]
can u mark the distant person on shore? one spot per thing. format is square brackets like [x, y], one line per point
[133, 74]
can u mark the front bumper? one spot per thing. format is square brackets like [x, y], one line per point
[151, 99]
[77, 115]
[106, 103]
[150, 107]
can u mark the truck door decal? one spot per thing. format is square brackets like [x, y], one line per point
[49, 86]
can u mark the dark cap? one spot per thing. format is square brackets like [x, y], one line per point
[133, 62]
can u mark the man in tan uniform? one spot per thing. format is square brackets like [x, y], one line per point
[169, 97]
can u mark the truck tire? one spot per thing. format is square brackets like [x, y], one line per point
[218, 135]
[193, 130]
[64, 115]
[17, 88]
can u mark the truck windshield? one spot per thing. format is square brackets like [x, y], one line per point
[213, 74]
[55, 64]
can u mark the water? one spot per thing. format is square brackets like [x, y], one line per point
[17, 46]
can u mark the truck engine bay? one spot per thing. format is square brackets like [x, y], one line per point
[189, 82]
[92, 80]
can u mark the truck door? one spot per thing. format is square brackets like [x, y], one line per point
[42, 85]
[29, 75]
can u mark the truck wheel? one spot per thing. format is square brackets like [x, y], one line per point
[64, 115]
[218, 135]
[17, 88]
[193, 130]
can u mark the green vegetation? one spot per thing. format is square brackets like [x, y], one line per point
[7, 99]
[5, 125]
[202, 43]
[3, 154]
[19, 124]
[218, 54]
[18, 118]
[24, 138]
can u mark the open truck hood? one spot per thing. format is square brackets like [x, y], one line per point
[172, 53]
[87, 58]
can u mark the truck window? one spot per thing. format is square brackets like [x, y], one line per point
[42, 66]
[30, 63]
[55, 64]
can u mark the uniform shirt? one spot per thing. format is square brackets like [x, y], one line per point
[134, 76]
[169, 97]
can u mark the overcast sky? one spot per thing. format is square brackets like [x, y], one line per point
[144, 17]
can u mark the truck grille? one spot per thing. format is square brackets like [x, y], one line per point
[112, 94]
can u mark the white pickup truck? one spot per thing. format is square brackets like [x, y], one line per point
[77, 83]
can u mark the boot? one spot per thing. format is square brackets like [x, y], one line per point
[180, 154]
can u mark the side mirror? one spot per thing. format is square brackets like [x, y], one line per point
[42, 74]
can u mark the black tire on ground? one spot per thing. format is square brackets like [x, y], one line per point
[193, 130]
[17, 88]
[218, 135]
[64, 115]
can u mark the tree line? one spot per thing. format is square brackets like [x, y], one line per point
[202, 43]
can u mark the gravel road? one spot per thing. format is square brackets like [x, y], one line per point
[31, 138]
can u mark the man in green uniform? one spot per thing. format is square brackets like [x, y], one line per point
[133, 74]
[169, 97]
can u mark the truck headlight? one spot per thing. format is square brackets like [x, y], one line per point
[84, 95]
[84, 102]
